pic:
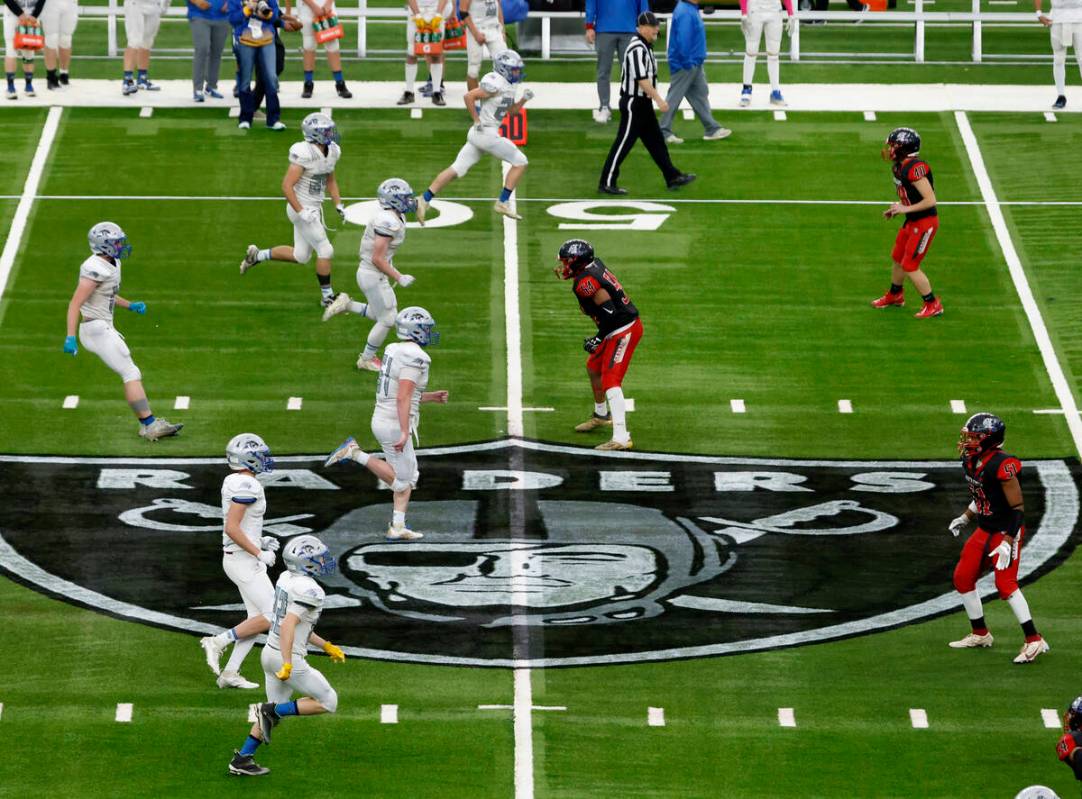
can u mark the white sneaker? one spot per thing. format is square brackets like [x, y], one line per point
[505, 209]
[373, 364]
[339, 304]
[159, 428]
[277, 126]
[672, 138]
[244, 125]
[345, 452]
[720, 133]
[973, 641]
[232, 679]
[602, 115]
[251, 258]
[1030, 651]
[422, 209]
[402, 534]
[213, 652]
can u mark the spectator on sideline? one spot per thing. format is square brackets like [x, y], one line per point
[16, 13]
[58, 20]
[142, 18]
[761, 19]
[610, 27]
[687, 52]
[1065, 25]
[253, 23]
[291, 24]
[209, 22]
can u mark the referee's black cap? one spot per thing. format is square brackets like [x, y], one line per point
[647, 18]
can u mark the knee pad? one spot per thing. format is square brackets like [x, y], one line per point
[131, 373]
[330, 702]
[387, 317]
[460, 168]
[325, 250]
[398, 486]
[520, 159]
[332, 46]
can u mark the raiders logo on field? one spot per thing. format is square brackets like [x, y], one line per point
[534, 554]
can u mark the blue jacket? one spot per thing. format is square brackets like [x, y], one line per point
[239, 20]
[213, 13]
[687, 37]
[614, 16]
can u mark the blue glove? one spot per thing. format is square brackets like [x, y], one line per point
[70, 347]
[138, 307]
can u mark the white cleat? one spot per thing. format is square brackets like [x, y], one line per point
[672, 138]
[232, 679]
[250, 258]
[340, 304]
[213, 651]
[973, 641]
[159, 428]
[615, 445]
[345, 452]
[1031, 650]
[720, 133]
[602, 116]
[402, 534]
[422, 209]
[505, 209]
[373, 364]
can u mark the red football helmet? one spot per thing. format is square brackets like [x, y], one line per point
[980, 433]
[575, 255]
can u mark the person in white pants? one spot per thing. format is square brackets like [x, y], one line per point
[423, 10]
[759, 19]
[484, 28]
[142, 18]
[1064, 23]
[307, 12]
[58, 21]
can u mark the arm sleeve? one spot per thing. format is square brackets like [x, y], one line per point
[35, 12]
[14, 7]
[787, 3]
[678, 41]
[591, 12]
[744, 7]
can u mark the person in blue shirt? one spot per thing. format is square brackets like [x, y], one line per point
[253, 23]
[209, 23]
[610, 27]
[687, 52]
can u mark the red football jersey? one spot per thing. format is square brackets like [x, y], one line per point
[907, 172]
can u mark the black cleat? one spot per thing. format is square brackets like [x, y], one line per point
[307, 91]
[683, 179]
[245, 766]
[52, 80]
[267, 719]
[64, 79]
[1061, 103]
[343, 92]
[607, 188]
[407, 98]
[437, 98]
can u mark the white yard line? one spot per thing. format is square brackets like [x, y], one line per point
[1, 709]
[1021, 283]
[512, 321]
[26, 199]
[1051, 718]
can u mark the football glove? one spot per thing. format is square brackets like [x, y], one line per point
[70, 347]
[341, 209]
[284, 672]
[336, 653]
[269, 543]
[591, 344]
[405, 281]
[267, 558]
[790, 26]
[309, 215]
[1002, 555]
[527, 95]
[138, 307]
[958, 525]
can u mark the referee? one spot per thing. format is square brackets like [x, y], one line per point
[638, 90]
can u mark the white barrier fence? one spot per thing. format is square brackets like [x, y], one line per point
[918, 18]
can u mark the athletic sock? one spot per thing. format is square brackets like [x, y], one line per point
[978, 625]
[1029, 629]
[283, 709]
[11, 81]
[615, 397]
[895, 288]
[747, 87]
[129, 76]
[749, 69]
[326, 292]
[601, 408]
[773, 68]
[264, 255]
[147, 421]
[51, 74]
[437, 77]
[1020, 608]
[361, 457]
[64, 72]
[143, 76]
[358, 308]
[338, 77]
[240, 651]
[505, 194]
[250, 745]
[428, 195]
[29, 78]
[309, 75]
[226, 638]
[929, 297]
[411, 76]
[398, 519]
[971, 600]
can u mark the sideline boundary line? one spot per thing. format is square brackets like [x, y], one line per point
[1021, 282]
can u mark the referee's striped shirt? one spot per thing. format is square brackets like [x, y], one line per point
[639, 63]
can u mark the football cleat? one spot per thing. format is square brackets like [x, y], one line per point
[615, 445]
[973, 641]
[437, 99]
[147, 86]
[267, 720]
[402, 534]
[505, 209]
[1061, 103]
[777, 99]
[251, 258]
[930, 309]
[593, 423]
[244, 125]
[1031, 649]
[128, 87]
[422, 209]
[683, 179]
[159, 428]
[609, 188]
[344, 452]
[245, 766]
[11, 94]
[407, 98]
[672, 138]
[232, 679]
[279, 125]
[340, 304]
[213, 651]
[602, 115]
[306, 90]
[889, 299]
[373, 364]
[745, 96]
[65, 79]
[343, 92]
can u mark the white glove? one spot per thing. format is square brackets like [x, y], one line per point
[309, 216]
[341, 209]
[267, 558]
[405, 281]
[269, 543]
[790, 26]
[527, 95]
[958, 525]
[1002, 554]
[745, 25]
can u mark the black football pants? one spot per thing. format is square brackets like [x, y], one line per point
[637, 121]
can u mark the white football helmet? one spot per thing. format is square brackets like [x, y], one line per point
[509, 66]
[397, 194]
[1036, 792]
[306, 554]
[416, 324]
[249, 451]
[319, 129]
[106, 238]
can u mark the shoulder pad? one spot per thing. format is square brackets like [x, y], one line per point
[493, 83]
[418, 358]
[917, 169]
[306, 591]
[387, 222]
[95, 269]
[241, 486]
[587, 287]
[301, 154]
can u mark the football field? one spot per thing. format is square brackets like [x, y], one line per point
[754, 602]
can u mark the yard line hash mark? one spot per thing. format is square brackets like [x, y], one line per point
[655, 716]
[869, 116]
[958, 406]
[71, 401]
[294, 403]
[1049, 116]
[629, 404]
[786, 717]
[779, 116]
[123, 711]
[845, 406]
[146, 112]
[689, 115]
[388, 714]
[918, 717]
[737, 406]
[182, 403]
[416, 113]
[1051, 718]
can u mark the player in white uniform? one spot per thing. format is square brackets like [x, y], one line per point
[97, 292]
[759, 17]
[246, 555]
[308, 180]
[16, 13]
[496, 99]
[428, 11]
[1064, 23]
[397, 415]
[298, 601]
[383, 235]
[58, 21]
[142, 18]
[484, 28]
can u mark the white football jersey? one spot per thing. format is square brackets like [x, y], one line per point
[312, 187]
[1069, 11]
[494, 108]
[403, 360]
[385, 222]
[427, 7]
[301, 595]
[485, 13]
[243, 488]
[99, 305]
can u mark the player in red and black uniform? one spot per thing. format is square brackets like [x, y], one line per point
[992, 476]
[913, 179]
[1069, 747]
[619, 329]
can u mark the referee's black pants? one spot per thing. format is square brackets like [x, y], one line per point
[637, 121]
